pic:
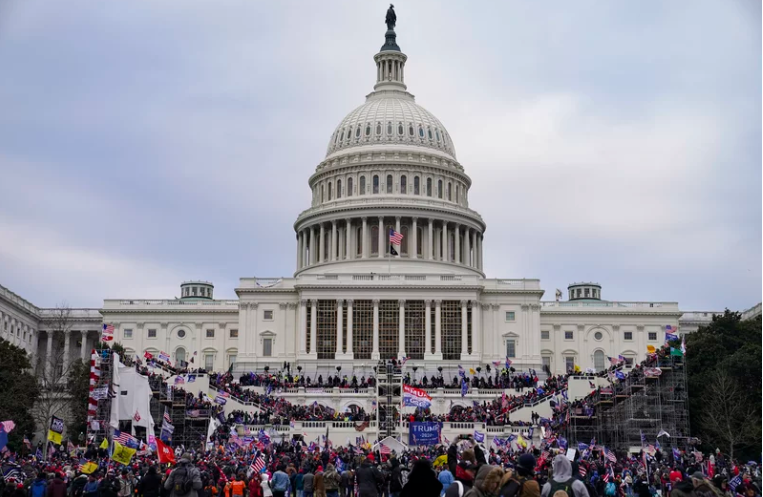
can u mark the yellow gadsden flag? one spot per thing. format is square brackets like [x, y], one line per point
[441, 461]
[472, 371]
[88, 467]
[122, 454]
[104, 444]
[650, 349]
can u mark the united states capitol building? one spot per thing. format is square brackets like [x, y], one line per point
[354, 298]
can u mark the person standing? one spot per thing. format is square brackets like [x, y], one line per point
[185, 479]
[280, 482]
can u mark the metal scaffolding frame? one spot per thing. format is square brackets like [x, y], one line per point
[637, 405]
[389, 398]
[103, 408]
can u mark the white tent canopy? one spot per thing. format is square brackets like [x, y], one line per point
[392, 443]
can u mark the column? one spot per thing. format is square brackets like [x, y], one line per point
[302, 332]
[438, 329]
[67, 336]
[252, 320]
[381, 237]
[298, 258]
[479, 252]
[464, 337]
[430, 240]
[494, 331]
[350, 352]
[474, 249]
[312, 246]
[348, 240]
[457, 238]
[301, 249]
[413, 248]
[83, 346]
[339, 323]
[397, 228]
[375, 352]
[401, 330]
[321, 244]
[49, 355]
[364, 241]
[427, 329]
[334, 244]
[444, 248]
[477, 329]
[313, 327]
[467, 246]
[243, 326]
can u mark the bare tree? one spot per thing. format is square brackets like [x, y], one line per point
[54, 370]
[725, 416]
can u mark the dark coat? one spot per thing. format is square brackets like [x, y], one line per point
[422, 481]
[369, 480]
[149, 485]
[56, 488]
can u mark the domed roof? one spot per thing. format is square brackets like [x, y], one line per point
[391, 119]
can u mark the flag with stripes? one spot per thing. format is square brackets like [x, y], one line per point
[258, 464]
[126, 439]
[395, 238]
[166, 416]
[610, 455]
[8, 426]
[107, 334]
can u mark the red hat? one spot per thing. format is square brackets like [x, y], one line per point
[371, 457]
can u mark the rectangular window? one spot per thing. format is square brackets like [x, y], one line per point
[234, 333]
[363, 328]
[128, 333]
[210, 333]
[628, 362]
[510, 316]
[267, 347]
[569, 363]
[511, 348]
[152, 333]
[450, 324]
[627, 335]
[267, 315]
[209, 362]
[652, 335]
[545, 335]
[231, 360]
[546, 362]
[568, 335]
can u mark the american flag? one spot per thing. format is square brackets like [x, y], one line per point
[395, 238]
[582, 471]
[610, 455]
[643, 439]
[258, 464]
[125, 439]
[8, 426]
[167, 416]
[107, 334]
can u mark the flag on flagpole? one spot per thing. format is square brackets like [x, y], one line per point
[107, 333]
[395, 238]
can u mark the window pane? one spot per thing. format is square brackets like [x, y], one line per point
[362, 189]
[598, 360]
[376, 184]
[339, 188]
[209, 362]
[375, 240]
[510, 348]
[568, 335]
[544, 334]
[416, 185]
[569, 363]
[546, 362]
[363, 329]
[267, 347]
[439, 188]
[349, 187]
[429, 187]
[450, 326]
[389, 183]
[403, 185]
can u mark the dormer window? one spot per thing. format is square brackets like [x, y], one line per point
[410, 129]
[421, 132]
[357, 132]
[378, 130]
[400, 129]
[389, 129]
[368, 129]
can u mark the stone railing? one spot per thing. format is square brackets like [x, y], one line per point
[11, 297]
[660, 306]
[114, 303]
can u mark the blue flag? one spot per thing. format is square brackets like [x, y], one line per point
[3, 438]
[464, 387]
[619, 375]
[562, 443]
[479, 437]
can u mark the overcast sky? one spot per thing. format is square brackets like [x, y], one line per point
[143, 143]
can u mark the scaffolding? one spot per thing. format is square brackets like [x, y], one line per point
[639, 405]
[389, 398]
[191, 425]
[100, 430]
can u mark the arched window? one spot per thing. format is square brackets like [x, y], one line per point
[437, 134]
[389, 129]
[378, 129]
[429, 187]
[419, 240]
[429, 133]
[450, 197]
[375, 240]
[362, 187]
[404, 244]
[458, 191]
[400, 129]
[322, 190]
[326, 245]
[359, 238]
[389, 183]
[421, 132]
[410, 129]
[376, 184]
[179, 356]
[451, 246]
[403, 184]
[339, 188]
[439, 188]
[349, 187]
[330, 190]
[368, 129]
[416, 186]
[598, 360]
[349, 133]
[357, 131]
[336, 137]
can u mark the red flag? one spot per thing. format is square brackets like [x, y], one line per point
[166, 454]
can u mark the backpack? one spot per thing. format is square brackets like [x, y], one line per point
[610, 490]
[183, 482]
[460, 488]
[561, 489]
[38, 488]
[527, 487]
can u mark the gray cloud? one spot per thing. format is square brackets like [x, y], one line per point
[146, 143]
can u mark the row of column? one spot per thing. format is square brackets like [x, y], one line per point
[50, 360]
[17, 332]
[311, 242]
[428, 354]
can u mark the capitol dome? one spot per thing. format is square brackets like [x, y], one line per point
[390, 190]
[391, 117]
